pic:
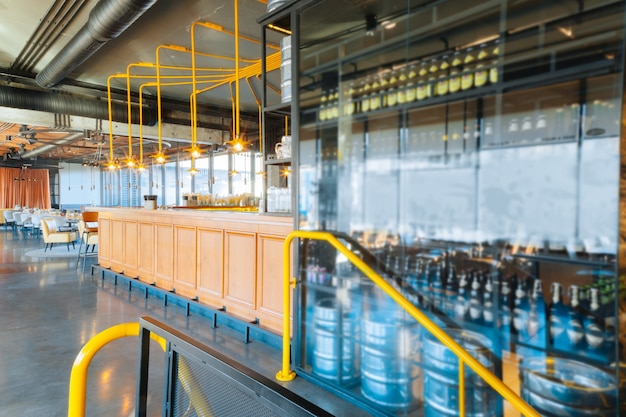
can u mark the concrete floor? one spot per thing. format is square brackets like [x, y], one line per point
[49, 310]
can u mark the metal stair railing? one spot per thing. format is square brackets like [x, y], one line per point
[465, 358]
[78, 377]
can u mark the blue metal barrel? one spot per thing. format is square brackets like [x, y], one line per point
[335, 351]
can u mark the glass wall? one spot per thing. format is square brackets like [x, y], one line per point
[201, 181]
[221, 177]
[171, 184]
[186, 179]
[472, 157]
[218, 175]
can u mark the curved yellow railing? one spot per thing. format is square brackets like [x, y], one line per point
[78, 377]
[286, 374]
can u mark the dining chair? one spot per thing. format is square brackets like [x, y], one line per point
[52, 235]
[88, 236]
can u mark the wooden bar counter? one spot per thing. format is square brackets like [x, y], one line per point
[225, 259]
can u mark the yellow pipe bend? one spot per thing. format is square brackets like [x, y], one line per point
[78, 377]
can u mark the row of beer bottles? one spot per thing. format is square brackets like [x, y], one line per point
[517, 308]
[446, 74]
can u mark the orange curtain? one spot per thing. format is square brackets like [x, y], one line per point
[24, 187]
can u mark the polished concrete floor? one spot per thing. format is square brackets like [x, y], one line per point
[49, 310]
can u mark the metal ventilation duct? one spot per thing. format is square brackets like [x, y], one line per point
[52, 146]
[21, 98]
[106, 21]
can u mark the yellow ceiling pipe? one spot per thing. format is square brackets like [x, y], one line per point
[160, 156]
[259, 111]
[141, 165]
[111, 163]
[236, 4]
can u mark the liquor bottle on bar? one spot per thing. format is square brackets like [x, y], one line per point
[574, 325]
[593, 324]
[348, 100]
[461, 305]
[481, 75]
[410, 84]
[493, 71]
[521, 310]
[559, 316]
[413, 273]
[442, 85]
[537, 316]
[450, 292]
[322, 115]
[401, 88]
[375, 97]
[391, 95]
[423, 86]
[433, 74]
[504, 319]
[488, 306]
[332, 111]
[475, 307]
[436, 290]
[467, 75]
[455, 73]
[424, 283]
[365, 94]
[610, 319]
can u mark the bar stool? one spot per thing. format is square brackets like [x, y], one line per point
[88, 232]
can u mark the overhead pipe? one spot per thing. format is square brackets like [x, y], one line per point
[51, 146]
[107, 20]
[22, 98]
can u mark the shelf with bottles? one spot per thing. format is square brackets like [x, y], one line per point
[425, 82]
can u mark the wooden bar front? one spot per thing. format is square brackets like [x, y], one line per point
[225, 259]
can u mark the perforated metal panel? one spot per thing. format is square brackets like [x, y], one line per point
[201, 391]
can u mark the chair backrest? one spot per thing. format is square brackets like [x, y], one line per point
[60, 221]
[8, 215]
[36, 220]
[48, 225]
[90, 216]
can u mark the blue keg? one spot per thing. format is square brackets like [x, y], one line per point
[335, 351]
[390, 356]
[563, 387]
[441, 377]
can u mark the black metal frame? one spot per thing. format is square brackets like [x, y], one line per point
[270, 393]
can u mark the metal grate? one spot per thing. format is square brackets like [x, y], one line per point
[201, 391]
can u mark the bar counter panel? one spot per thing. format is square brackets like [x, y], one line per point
[223, 259]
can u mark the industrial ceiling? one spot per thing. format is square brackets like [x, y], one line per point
[58, 58]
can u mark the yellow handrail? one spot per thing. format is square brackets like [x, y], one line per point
[78, 377]
[286, 374]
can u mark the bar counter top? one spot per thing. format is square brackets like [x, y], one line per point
[221, 258]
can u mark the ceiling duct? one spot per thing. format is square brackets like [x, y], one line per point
[52, 146]
[107, 20]
[22, 98]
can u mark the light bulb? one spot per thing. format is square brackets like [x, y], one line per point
[193, 171]
[160, 158]
[238, 146]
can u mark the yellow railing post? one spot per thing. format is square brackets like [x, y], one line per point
[286, 374]
[78, 377]
[461, 388]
